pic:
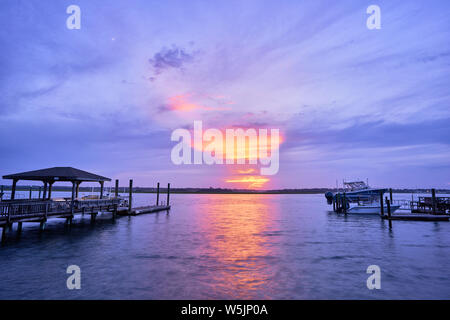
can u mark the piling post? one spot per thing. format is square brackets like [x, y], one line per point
[338, 202]
[116, 189]
[388, 204]
[39, 193]
[102, 183]
[19, 227]
[130, 195]
[381, 204]
[1, 192]
[115, 212]
[168, 194]
[13, 189]
[157, 194]
[31, 190]
[44, 195]
[344, 202]
[390, 195]
[50, 186]
[8, 219]
[77, 190]
[72, 202]
[433, 199]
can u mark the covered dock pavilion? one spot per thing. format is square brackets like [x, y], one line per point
[39, 210]
[57, 174]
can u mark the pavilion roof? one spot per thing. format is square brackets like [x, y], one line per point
[57, 174]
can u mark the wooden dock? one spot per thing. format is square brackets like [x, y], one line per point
[40, 209]
[418, 217]
[142, 210]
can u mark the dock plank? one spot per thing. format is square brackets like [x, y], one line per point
[143, 210]
[418, 217]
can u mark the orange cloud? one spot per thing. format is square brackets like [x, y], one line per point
[250, 182]
[180, 103]
[246, 171]
[184, 103]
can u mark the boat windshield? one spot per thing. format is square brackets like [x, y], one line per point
[356, 185]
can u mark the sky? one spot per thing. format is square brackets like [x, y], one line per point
[350, 103]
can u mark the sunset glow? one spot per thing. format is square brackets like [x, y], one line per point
[242, 152]
[246, 171]
[181, 104]
[249, 182]
[190, 102]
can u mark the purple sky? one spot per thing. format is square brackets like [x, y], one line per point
[351, 103]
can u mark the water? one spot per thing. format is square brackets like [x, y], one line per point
[230, 247]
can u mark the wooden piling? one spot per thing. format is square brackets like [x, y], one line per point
[19, 227]
[116, 189]
[77, 190]
[4, 234]
[344, 203]
[31, 190]
[168, 194]
[381, 204]
[388, 204]
[114, 212]
[1, 192]
[338, 202]
[13, 189]
[433, 199]
[50, 185]
[390, 195]
[72, 202]
[44, 195]
[39, 193]
[157, 194]
[130, 195]
[102, 183]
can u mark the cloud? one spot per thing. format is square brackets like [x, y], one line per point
[374, 134]
[172, 58]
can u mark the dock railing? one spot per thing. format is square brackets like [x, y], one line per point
[38, 208]
[425, 205]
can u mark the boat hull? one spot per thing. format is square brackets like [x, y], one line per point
[371, 210]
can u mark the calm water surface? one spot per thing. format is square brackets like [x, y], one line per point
[229, 247]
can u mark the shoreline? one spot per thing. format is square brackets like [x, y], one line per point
[219, 190]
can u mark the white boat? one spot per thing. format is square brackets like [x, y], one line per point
[359, 198]
[370, 209]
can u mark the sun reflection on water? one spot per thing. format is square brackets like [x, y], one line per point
[238, 235]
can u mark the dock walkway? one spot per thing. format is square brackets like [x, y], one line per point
[39, 211]
[142, 210]
[418, 217]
